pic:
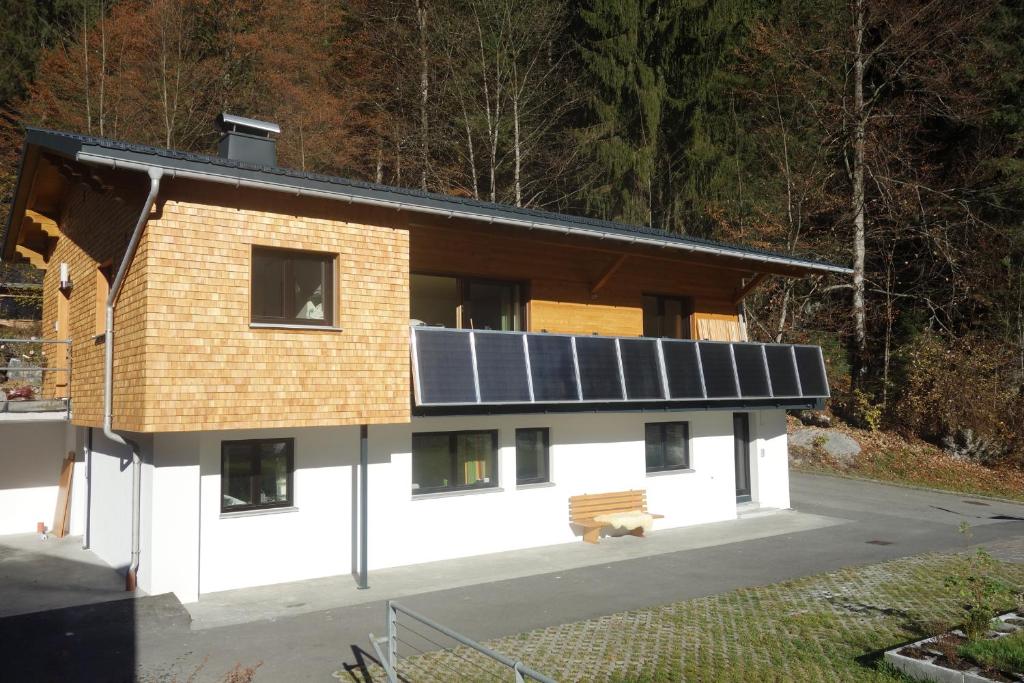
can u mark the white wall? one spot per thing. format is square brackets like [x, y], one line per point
[769, 455]
[110, 494]
[31, 454]
[190, 547]
[590, 453]
[311, 540]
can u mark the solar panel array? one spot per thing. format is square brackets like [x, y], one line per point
[463, 367]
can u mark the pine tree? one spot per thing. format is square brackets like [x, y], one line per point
[658, 128]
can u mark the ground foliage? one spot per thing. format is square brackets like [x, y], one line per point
[719, 118]
[890, 456]
[830, 627]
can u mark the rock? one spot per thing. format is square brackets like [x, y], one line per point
[814, 418]
[838, 445]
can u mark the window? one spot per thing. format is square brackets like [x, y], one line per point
[104, 280]
[532, 456]
[667, 445]
[667, 316]
[452, 461]
[465, 302]
[292, 287]
[256, 474]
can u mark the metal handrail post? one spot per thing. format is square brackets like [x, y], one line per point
[392, 653]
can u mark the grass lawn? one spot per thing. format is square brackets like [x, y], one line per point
[830, 627]
[1005, 654]
[889, 457]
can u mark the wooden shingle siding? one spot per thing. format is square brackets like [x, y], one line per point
[95, 228]
[185, 355]
[206, 368]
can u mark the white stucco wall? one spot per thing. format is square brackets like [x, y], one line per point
[110, 496]
[190, 547]
[31, 454]
[590, 453]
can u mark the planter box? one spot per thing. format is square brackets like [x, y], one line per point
[929, 665]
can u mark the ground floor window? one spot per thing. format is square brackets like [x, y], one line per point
[452, 461]
[256, 474]
[667, 445]
[532, 455]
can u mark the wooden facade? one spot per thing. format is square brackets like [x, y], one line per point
[188, 358]
[577, 286]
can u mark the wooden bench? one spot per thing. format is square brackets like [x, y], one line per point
[583, 509]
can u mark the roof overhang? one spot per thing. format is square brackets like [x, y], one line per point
[124, 156]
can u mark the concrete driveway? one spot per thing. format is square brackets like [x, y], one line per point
[837, 523]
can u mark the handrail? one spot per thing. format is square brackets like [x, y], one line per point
[390, 659]
[27, 369]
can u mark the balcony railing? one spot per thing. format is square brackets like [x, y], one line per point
[464, 368]
[35, 378]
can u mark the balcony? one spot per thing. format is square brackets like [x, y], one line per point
[464, 371]
[35, 379]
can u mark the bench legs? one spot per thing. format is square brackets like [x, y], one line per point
[592, 534]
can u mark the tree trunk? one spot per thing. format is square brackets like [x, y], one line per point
[859, 365]
[516, 142]
[421, 24]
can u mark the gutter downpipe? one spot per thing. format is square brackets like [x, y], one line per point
[155, 176]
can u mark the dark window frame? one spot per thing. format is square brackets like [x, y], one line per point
[453, 461]
[686, 306]
[546, 478]
[287, 297]
[463, 283]
[662, 440]
[255, 474]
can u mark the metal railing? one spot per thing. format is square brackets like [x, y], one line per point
[402, 633]
[26, 387]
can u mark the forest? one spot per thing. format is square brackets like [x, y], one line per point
[886, 136]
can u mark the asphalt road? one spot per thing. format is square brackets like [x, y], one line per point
[152, 641]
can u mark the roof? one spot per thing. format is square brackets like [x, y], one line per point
[125, 155]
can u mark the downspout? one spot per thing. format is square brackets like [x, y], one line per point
[108, 376]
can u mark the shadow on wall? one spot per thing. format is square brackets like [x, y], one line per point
[32, 454]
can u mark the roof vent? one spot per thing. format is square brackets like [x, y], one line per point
[247, 140]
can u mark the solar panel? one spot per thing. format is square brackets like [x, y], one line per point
[599, 369]
[781, 370]
[812, 371]
[501, 368]
[682, 368]
[751, 371]
[641, 368]
[445, 366]
[552, 368]
[719, 377]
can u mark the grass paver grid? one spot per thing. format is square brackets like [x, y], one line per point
[830, 627]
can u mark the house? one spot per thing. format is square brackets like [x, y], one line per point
[279, 375]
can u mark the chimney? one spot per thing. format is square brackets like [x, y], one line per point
[247, 140]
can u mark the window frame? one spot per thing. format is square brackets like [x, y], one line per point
[254, 476]
[686, 307]
[546, 479]
[463, 284]
[686, 466]
[329, 259]
[453, 462]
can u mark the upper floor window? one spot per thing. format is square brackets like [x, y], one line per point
[667, 446]
[667, 316]
[292, 287]
[256, 474]
[466, 302]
